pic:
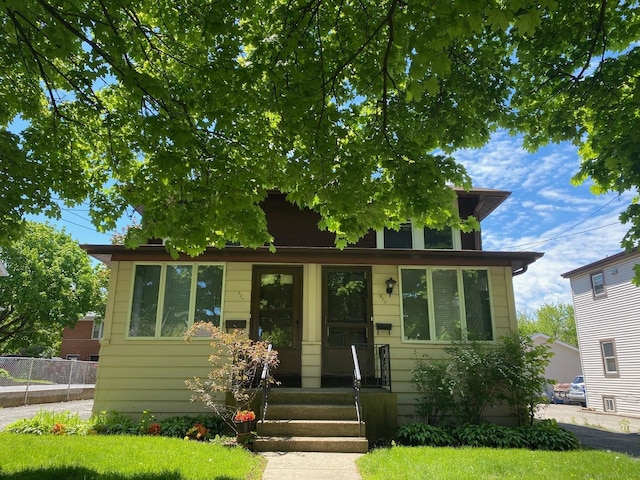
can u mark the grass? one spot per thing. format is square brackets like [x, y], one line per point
[120, 457]
[482, 463]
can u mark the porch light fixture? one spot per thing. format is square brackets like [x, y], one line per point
[390, 284]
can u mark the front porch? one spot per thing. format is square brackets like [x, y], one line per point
[326, 419]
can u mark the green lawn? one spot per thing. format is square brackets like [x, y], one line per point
[483, 463]
[50, 457]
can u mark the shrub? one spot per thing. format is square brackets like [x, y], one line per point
[46, 422]
[179, 425]
[477, 375]
[490, 435]
[114, 423]
[434, 382]
[521, 365]
[421, 434]
[547, 435]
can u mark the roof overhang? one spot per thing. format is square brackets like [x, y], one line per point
[600, 264]
[518, 261]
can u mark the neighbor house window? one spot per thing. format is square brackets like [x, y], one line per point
[597, 283]
[96, 331]
[445, 304]
[169, 297]
[608, 350]
[609, 404]
[411, 237]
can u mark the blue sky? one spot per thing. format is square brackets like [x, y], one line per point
[545, 213]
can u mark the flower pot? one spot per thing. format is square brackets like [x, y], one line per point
[244, 427]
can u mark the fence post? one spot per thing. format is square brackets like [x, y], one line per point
[26, 392]
[69, 383]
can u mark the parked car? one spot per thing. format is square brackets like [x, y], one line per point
[577, 392]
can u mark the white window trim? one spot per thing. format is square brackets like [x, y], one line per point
[593, 287]
[604, 358]
[161, 293]
[100, 330]
[417, 238]
[431, 307]
[609, 398]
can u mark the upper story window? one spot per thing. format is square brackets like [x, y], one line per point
[96, 331]
[597, 284]
[419, 238]
[445, 304]
[169, 297]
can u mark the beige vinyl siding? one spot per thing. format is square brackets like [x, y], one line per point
[386, 309]
[149, 373]
[136, 374]
[615, 315]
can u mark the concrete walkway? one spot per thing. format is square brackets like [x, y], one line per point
[311, 466]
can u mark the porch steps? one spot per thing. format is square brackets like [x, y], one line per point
[311, 420]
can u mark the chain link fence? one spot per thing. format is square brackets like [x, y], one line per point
[58, 379]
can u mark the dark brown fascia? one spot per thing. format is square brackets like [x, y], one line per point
[518, 261]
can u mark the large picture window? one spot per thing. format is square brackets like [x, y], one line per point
[169, 297]
[445, 304]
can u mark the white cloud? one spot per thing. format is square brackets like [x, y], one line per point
[544, 213]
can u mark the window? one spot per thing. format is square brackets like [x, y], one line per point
[93, 358]
[597, 283]
[169, 297]
[608, 349]
[402, 238]
[445, 304]
[609, 404]
[96, 331]
[438, 239]
[419, 238]
[73, 356]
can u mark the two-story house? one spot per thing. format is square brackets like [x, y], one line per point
[413, 291]
[607, 310]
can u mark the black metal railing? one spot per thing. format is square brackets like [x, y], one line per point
[375, 364]
[357, 381]
[265, 383]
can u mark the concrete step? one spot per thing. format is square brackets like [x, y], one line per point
[312, 396]
[310, 412]
[310, 428]
[311, 444]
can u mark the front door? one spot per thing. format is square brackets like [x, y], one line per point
[275, 316]
[346, 320]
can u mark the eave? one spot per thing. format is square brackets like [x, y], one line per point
[518, 261]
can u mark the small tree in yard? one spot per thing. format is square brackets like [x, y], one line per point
[435, 384]
[522, 366]
[237, 363]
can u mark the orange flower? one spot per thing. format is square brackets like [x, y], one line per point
[244, 416]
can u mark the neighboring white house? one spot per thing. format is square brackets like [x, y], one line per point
[565, 363]
[607, 310]
[3, 270]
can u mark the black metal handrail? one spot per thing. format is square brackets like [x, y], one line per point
[266, 384]
[357, 382]
[375, 364]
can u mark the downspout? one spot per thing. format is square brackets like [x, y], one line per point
[477, 233]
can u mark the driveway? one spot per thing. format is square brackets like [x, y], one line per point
[601, 431]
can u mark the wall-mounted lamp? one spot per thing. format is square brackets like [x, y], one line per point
[390, 284]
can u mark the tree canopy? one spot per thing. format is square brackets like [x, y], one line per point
[196, 109]
[51, 284]
[557, 320]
